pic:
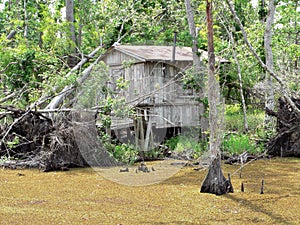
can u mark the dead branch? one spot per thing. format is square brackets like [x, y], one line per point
[58, 99]
[9, 129]
[6, 98]
[84, 60]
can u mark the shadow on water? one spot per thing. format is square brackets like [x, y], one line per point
[277, 218]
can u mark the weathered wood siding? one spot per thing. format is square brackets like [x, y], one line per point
[153, 86]
[116, 58]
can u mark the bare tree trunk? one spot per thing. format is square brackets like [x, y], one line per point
[80, 27]
[192, 28]
[284, 89]
[213, 90]
[297, 33]
[269, 94]
[148, 145]
[25, 19]
[70, 20]
[197, 66]
[214, 182]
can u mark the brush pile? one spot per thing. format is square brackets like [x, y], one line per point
[286, 143]
[30, 139]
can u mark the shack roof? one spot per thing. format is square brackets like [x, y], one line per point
[160, 53]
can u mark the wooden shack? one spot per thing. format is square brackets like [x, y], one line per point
[155, 86]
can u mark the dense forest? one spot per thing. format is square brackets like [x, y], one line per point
[49, 48]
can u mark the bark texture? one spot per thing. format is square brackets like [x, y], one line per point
[72, 60]
[269, 95]
[197, 65]
[215, 182]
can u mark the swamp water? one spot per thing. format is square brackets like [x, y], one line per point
[83, 196]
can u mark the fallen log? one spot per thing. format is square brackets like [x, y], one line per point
[79, 65]
[58, 99]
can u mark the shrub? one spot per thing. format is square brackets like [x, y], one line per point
[126, 153]
[236, 144]
[182, 143]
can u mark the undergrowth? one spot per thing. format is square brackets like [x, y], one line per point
[235, 139]
[183, 143]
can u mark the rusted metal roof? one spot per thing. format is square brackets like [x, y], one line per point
[161, 53]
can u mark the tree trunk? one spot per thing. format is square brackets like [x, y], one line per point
[72, 37]
[46, 96]
[25, 19]
[269, 94]
[297, 33]
[215, 181]
[197, 66]
[80, 25]
[283, 86]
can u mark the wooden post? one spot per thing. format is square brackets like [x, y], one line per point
[148, 132]
[136, 132]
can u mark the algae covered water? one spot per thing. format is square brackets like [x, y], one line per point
[82, 196]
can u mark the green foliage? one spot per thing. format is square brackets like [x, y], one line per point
[14, 142]
[181, 143]
[234, 118]
[122, 84]
[34, 60]
[30, 70]
[236, 144]
[233, 109]
[125, 153]
[192, 80]
[172, 142]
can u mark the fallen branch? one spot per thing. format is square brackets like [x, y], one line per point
[9, 129]
[6, 98]
[58, 99]
[245, 164]
[84, 60]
